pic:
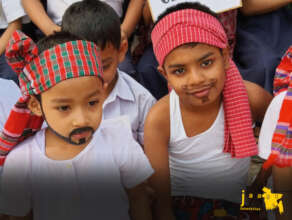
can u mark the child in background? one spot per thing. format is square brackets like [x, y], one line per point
[50, 20]
[77, 167]
[199, 138]
[11, 17]
[274, 139]
[96, 21]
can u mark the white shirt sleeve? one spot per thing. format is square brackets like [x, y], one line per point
[13, 10]
[148, 102]
[133, 163]
[15, 187]
[269, 125]
[9, 94]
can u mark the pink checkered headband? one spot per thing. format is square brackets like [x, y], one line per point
[186, 26]
[38, 73]
[190, 25]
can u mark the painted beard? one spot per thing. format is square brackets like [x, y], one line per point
[76, 137]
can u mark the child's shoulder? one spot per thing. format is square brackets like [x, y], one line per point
[116, 129]
[132, 86]
[159, 116]
[21, 153]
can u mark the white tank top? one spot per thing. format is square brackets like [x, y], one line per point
[198, 166]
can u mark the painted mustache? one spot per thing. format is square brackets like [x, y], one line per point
[79, 131]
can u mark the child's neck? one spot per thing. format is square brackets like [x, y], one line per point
[196, 120]
[58, 149]
[204, 109]
[112, 85]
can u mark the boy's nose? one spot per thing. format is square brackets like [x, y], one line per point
[80, 118]
[196, 78]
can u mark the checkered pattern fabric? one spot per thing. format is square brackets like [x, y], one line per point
[281, 154]
[189, 25]
[37, 73]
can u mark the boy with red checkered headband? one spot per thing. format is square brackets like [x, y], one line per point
[77, 167]
[199, 138]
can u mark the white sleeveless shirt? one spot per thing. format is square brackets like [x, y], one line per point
[198, 166]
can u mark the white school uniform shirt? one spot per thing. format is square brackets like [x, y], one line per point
[10, 10]
[89, 186]
[129, 98]
[269, 125]
[56, 8]
[9, 94]
[198, 166]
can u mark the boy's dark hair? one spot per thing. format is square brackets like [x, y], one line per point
[187, 5]
[95, 21]
[55, 39]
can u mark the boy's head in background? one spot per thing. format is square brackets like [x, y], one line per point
[61, 83]
[98, 22]
[192, 50]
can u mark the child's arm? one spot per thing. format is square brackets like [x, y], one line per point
[140, 203]
[132, 17]
[39, 17]
[260, 180]
[259, 100]
[282, 180]
[156, 139]
[253, 7]
[14, 25]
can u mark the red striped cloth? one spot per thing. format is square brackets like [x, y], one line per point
[189, 25]
[281, 153]
[39, 72]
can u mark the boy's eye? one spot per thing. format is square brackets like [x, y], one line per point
[178, 71]
[92, 103]
[206, 63]
[63, 108]
[106, 66]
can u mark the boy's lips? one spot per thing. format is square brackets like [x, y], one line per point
[200, 93]
[81, 135]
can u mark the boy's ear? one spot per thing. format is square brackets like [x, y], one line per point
[226, 57]
[123, 49]
[34, 106]
[162, 71]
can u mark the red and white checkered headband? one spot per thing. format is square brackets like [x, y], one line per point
[186, 26]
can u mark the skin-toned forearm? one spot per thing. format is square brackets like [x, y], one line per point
[259, 100]
[253, 7]
[132, 17]
[140, 204]
[15, 25]
[39, 17]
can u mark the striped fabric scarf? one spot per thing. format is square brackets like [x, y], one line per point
[39, 72]
[281, 154]
[189, 25]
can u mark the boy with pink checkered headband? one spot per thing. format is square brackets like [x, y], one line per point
[78, 167]
[199, 138]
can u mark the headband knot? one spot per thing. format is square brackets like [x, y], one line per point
[20, 51]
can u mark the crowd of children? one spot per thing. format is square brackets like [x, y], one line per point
[86, 138]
